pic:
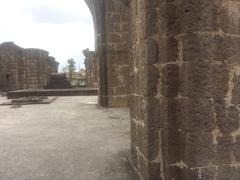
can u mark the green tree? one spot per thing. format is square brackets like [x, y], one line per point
[71, 68]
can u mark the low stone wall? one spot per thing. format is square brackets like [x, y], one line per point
[24, 68]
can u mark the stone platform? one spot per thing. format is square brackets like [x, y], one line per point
[52, 92]
[28, 100]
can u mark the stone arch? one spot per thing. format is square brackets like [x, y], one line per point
[111, 44]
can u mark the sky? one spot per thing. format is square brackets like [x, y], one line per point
[62, 27]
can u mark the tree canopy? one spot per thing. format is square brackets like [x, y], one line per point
[70, 68]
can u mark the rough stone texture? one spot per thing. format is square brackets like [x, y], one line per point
[92, 68]
[185, 103]
[24, 68]
[111, 34]
[184, 73]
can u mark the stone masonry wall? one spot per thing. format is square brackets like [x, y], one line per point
[185, 103]
[24, 68]
[92, 68]
[111, 34]
[183, 69]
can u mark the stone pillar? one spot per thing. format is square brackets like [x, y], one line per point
[185, 102]
[53, 65]
[92, 68]
[39, 66]
[10, 57]
[111, 34]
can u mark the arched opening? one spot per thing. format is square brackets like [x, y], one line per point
[59, 28]
[71, 138]
[111, 22]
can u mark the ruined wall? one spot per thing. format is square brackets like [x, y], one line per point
[24, 68]
[52, 65]
[184, 74]
[111, 34]
[185, 104]
[9, 66]
[92, 68]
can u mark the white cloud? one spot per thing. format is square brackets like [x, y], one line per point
[62, 27]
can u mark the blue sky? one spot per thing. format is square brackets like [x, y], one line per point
[62, 27]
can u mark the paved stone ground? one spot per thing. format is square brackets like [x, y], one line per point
[70, 139]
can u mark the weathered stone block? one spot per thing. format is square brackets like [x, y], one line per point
[223, 150]
[206, 173]
[195, 80]
[168, 20]
[219, 80]
[199, 150]
[229, 17]
[228, 49]
[152, 51]
[169, 50]
[171, 146]
[227, 172]
[153, 113]
[170, 80]
[199, 48]
[235, 91]
[199, 15]
[118, 101]
[236, 153]
[227, 118]
[195, 115]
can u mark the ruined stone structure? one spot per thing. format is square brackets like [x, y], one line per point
[111, 34]
[24, 68]
[58, 81]
[92, 68]
[184, 70]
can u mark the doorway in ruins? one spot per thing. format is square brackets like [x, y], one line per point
[61, 29]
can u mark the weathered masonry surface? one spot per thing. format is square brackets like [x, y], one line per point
[183, 63]
[92, 68]
[187, 55]
[24, 68]
[111, 27]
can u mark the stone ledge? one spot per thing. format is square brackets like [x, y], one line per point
[52, 92]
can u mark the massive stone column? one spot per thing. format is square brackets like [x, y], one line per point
[111, 34]
[185, 103]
